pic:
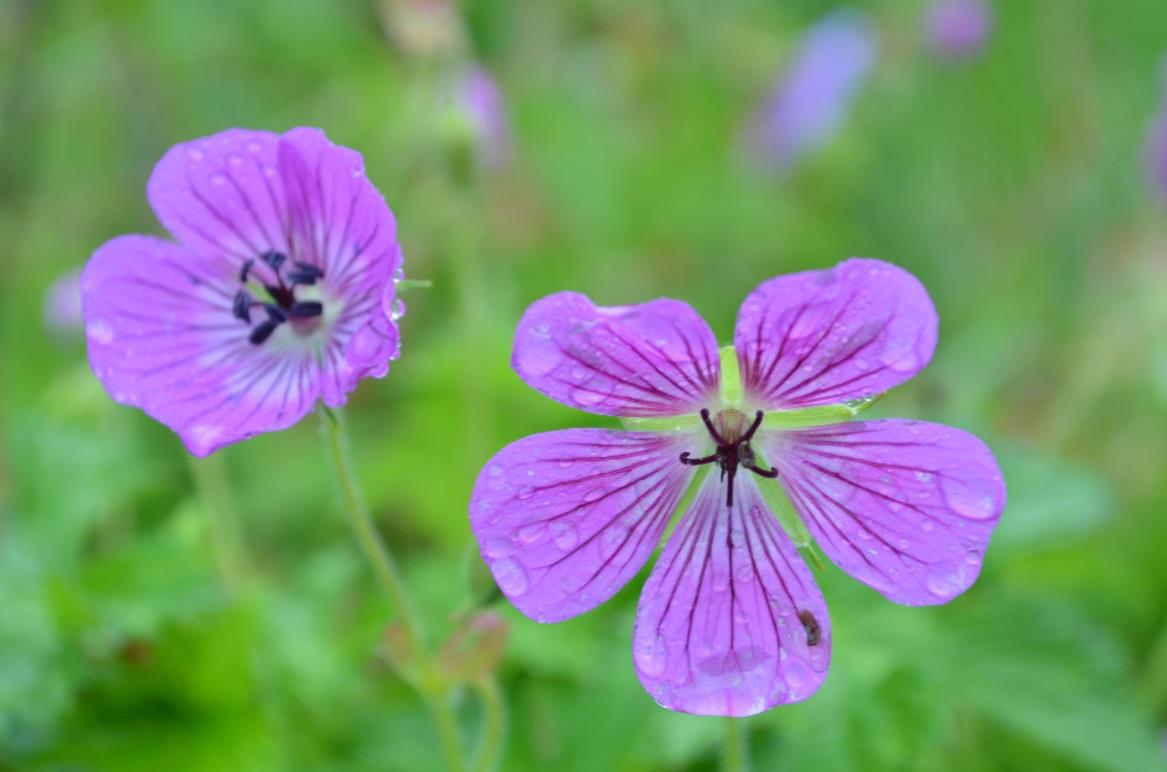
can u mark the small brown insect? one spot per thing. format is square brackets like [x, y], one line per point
[814, 633]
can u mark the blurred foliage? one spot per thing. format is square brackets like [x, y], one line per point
[1010, 184]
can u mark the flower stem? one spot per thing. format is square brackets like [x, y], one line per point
[214, 492]
[493, 726]
[361, 522]
[385, 567]
[736, 753]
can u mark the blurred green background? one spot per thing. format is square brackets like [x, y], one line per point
[1011, 183]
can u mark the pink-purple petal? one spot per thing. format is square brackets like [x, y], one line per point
[567, 518]
[730, 622]
[161, 337]
[654, 359]
[340, 223]
[222, 195]
[906, 507]
[823, 337]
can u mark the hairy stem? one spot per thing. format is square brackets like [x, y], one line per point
[493, 724]
[736, 751]
[385, 567]
[214, 492]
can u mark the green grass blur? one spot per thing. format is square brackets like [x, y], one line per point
[1012, 185]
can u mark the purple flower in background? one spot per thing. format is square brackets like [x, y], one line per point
[280, 291]
[812, 99]
[958, 29]
[1156, 152]
[479, 102]
[62, 304]
[730, 621]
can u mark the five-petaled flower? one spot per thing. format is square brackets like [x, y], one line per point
[730, 621]
[281, 290]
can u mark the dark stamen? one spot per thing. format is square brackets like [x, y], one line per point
[241, 306]
[306, 309]
[262, 332]
[275, 313]
[304, 273]
[274, 259]
[281, 302]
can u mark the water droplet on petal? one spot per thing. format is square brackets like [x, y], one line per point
[611, 541]
[510, 576]
[99, 331]
[397, 309]
[651, 656]
[945, 581]
[969, 501]
[497, 547]
[399, 275]
[564, 535]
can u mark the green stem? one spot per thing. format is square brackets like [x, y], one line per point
[493, 726]
[385, 567]
[361, 522]
[214, 492]
[736, 753]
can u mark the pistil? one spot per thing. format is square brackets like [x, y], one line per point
[733, 448]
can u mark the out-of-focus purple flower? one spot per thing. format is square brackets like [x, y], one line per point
[958, 29]
[480, 108]
[731, 622]
[62, 304]
[1156, 151]
[280, 290]
[815, 92]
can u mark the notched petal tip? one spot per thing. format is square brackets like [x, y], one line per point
[648, 360]
[824, 337]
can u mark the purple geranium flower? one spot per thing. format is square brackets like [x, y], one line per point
[62, 304]
[958, 29]
[1156, 149]
[730, 621]
[814, 95]
[479, 103]
[280, 290]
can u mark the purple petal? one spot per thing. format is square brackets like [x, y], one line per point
[62, 304]
[565, 519]
[341, 224]
[480, 98]
[654, 359]
[1156, 148]
[906, 507]
[222, 195]
[812, 99]
[958, 29]
[822, 337]
[162, 337]
[731, 622]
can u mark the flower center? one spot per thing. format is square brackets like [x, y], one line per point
[732, 434]
[281, 304]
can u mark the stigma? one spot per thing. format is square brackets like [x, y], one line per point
[731, 432]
